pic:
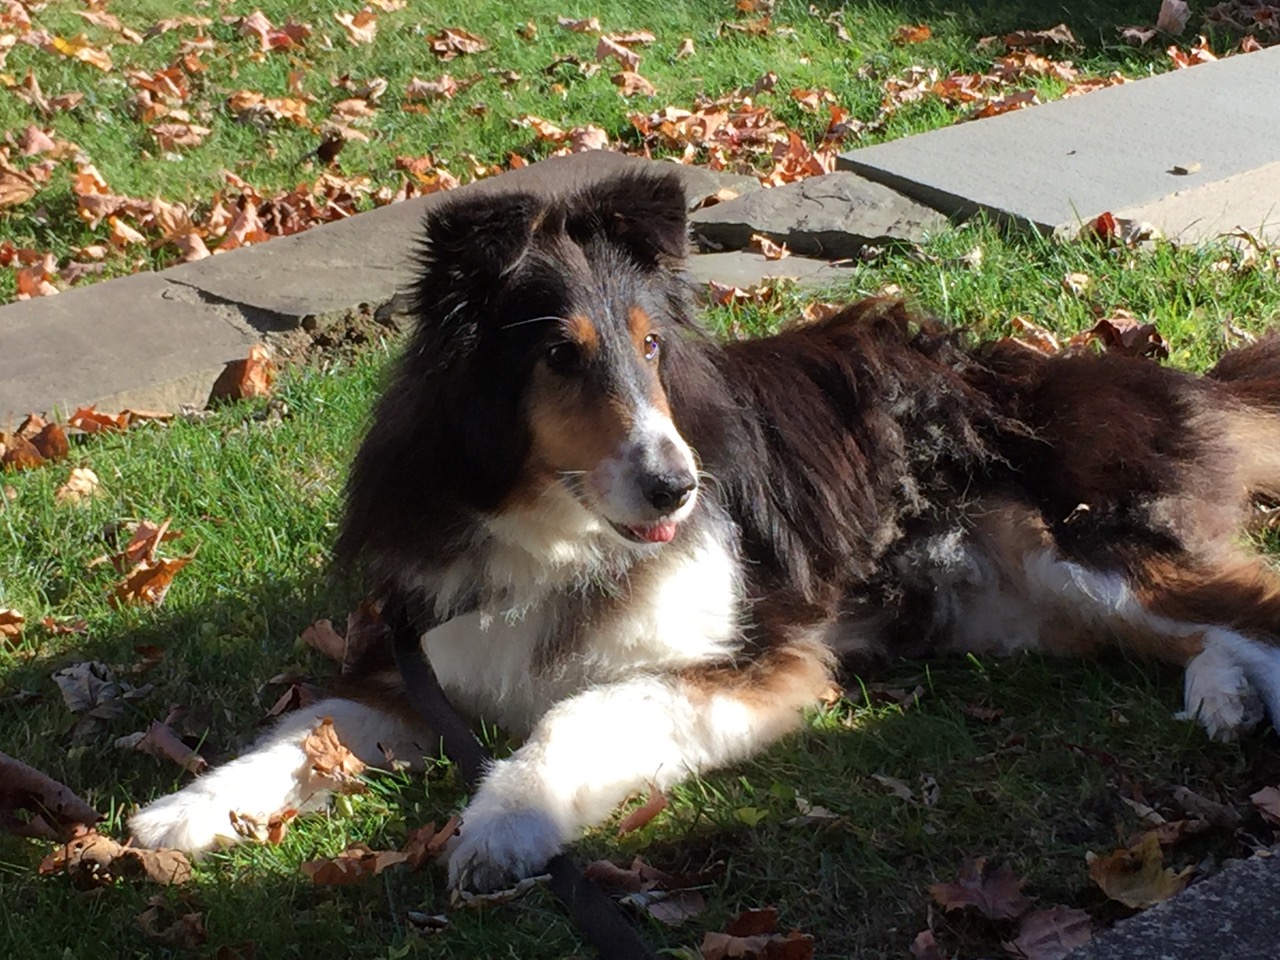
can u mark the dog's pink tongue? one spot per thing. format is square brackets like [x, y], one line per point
[658, 533]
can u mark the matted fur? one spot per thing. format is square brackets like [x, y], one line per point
[866, 486]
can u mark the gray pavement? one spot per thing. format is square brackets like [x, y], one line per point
[1228, 916]
[1053, 166]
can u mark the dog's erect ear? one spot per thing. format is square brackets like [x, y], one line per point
[476, 240]
[642, 212]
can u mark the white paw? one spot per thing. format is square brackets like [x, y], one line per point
[1219, 696]
[495, 850]
[185, 821]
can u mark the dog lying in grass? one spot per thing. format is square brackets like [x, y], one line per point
[647, 552]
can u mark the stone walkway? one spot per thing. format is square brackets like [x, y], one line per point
[157, 341]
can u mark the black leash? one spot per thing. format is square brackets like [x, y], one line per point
[593, 913]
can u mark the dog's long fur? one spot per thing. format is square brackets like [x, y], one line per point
[866, 486]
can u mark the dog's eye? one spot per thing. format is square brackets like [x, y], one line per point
[652, 346]
[564, 358]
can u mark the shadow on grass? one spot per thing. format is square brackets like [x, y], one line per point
[1094, 22]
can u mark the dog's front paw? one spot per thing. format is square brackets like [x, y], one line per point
[185, 820]
[496, 850]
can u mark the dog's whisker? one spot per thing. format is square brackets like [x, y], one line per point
[521, 323]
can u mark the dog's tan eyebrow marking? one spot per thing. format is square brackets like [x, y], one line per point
[582, 330]
[640, 325]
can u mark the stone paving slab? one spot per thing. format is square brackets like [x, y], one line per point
[138, 342]
[742, 268]
[1248, 201]
[1229, 915]
[832, 216]
[159, 340]
[1055, 165]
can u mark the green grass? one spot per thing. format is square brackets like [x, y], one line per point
[803, 50]
[257, 499]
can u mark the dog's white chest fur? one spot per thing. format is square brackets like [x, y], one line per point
[546, 636]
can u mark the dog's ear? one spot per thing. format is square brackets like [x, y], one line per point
[642, 212]
[473, 241]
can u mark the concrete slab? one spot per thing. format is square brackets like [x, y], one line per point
[359, 263]
[1249, 201]
[1231, 914]
[742, 268]
[830, 216]
[1054, 165]
[138, 342]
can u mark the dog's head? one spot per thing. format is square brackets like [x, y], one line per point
[537, 365]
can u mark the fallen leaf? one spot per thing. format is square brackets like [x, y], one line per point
[51, 441]
[1267, 802]
[250, 378]
[161, 741]
[925, 947]
[16, 187]
[361, 28]
[995, 892]
[354, 864]
[329, 758]
[1123, 333]
[753, 923]
[766, 246]
[442, 88]
[722, 946]
[1051, 934]
[912, 33]
[686, 49]
[450, 43]
[1173, 16]
[81, 485]
[148, 582]
[271, 833]
[589, 25]
[672, 907]
[322, 637]
[185, 932]
[63, 628]
[426, 842]
[171, 136]
[1060, 35]
[53, 806]
[630, 83]
[637, 818]
[271, 37]
[1197, 54]
[11, 622]
[609, 47]
[1076, 283]
[895, 786]
[92, 859]
[79, 48]
[1137, 876]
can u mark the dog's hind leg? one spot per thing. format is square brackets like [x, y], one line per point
[275, 775]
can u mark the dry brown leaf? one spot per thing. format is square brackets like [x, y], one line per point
[770, 249]
[53, 806]
[144, 540]
[637, 818]
[426, 842]
[1136, 876]
[79, 48]
[609, 47]
[1124, 333]
[162, 741]
[361, 28]
[912, 33]
[92, 859]
[354, 864]
[450, 43]
[1267, 802]
[993, 891]
[753, 923]
[589, 25]
[1077, 283]
[271, 37]
[11, 623]
[81, 485]
[925, 947]
[672, 907]
[148, 582]
[272, 832]
[171, 136]
[1173, 16]
[20, 454]
[629, 83]
[322, 637]
[62, 628]
[1197, 54]
[442, 88]
[775, 946]
[51, 441]
[1060, 35]
[184, 932]
[16, 187]
[1051, 934]
[250, 378]
[329, 758]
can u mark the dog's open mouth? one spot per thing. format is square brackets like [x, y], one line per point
[663, 531]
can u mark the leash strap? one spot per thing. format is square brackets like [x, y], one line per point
[594, 914]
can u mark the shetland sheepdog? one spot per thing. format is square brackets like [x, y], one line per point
[645, 551]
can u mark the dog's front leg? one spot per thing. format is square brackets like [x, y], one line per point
[590, 751]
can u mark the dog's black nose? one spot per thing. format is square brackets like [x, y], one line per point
[667, 491]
